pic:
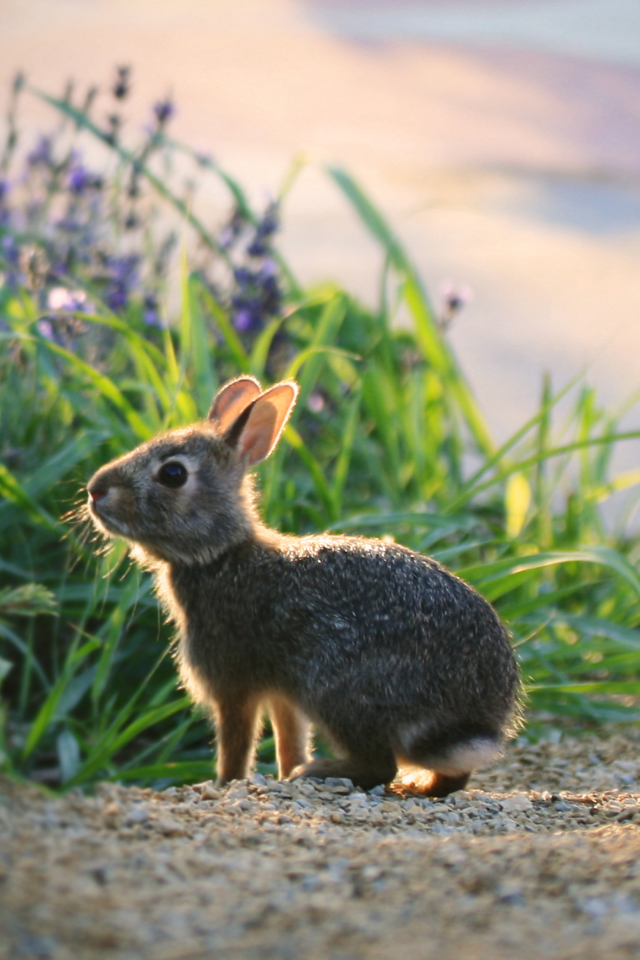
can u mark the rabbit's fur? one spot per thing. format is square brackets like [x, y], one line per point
[394, 658]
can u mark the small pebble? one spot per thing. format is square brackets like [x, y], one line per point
[518, 803]
[339, 784]
[209, 792]
[138, 814]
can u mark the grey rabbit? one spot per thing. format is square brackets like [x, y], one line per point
[391, 656]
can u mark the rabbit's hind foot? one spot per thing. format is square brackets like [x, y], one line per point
[362, 773]
[447, 760]
[430, 783]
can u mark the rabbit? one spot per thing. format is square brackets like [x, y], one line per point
[396, 660]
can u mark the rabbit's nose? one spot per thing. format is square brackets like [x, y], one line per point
[97, 492]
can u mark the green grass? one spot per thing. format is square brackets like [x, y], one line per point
[394, 444]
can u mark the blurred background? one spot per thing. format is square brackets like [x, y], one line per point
[502, 140]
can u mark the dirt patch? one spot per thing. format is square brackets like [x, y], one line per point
[540, 858]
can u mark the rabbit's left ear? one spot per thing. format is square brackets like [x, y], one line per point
[231, 400]
[257, 430]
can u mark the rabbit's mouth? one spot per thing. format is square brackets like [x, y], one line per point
[102, 519]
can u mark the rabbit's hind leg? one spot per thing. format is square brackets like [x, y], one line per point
[447, 757]
[363, 772]
[291, 732]
[237, 730]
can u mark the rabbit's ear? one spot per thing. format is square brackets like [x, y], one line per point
[231, 400]
[258, 428]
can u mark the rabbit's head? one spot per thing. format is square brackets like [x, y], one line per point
[183, 496]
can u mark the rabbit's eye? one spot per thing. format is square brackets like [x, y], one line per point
[172, 474]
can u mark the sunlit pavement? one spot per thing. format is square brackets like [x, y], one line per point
[505, 161]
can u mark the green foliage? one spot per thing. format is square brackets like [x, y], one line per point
[387, 440]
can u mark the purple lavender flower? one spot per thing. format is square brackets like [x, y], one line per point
[232, 230]
[256, 298]
[10, 254]
[267, 280]
[122, 85]
[452, 301]
[47, 330]
[150, 311]
[164, 110]
[122, 273]
[5, 213]
[62, 325]
[257, 248]
[243, 277]
[245, 320]
[79, 179]
[41, 155]
[69, 301]
[62, 330]
[261, 242]
[112, 134]
[69, 224]
[9, 249]
[117, 297]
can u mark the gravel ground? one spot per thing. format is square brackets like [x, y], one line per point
[539, 858]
